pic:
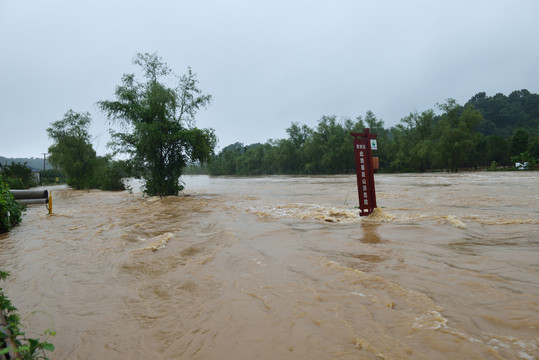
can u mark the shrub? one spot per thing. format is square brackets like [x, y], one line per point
[14, 341]
[10, 210]
[18, 175]
[107, 175]
[53, 177]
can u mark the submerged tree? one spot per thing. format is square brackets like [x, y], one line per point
[158, 123]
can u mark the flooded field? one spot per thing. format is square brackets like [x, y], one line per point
[283, 268]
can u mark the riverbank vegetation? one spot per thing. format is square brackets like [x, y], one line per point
[52, 177]
[159, 137]
[72, 152]
[13, 341]
[486, 132]
[10, 210]
[157, 134]
[18, 175]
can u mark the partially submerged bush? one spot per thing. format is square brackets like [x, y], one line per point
[10, 210]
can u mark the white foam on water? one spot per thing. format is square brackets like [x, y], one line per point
[308, 212]
[453, 220]
[157, 242]
[432, 320]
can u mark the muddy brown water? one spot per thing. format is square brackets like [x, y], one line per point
[283, 268]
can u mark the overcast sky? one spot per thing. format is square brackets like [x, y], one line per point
[266, 63]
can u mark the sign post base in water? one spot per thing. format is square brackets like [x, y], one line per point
[364, 143]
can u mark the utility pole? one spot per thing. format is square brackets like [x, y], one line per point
[44, 155]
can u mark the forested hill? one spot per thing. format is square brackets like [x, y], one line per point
[485, 132]
[502, 115]
[36, 163]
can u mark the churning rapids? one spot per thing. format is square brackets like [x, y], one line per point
[283, 268]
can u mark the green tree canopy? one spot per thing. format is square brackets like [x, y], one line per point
[519, 141]
[72, 150]
[504, 114]
[455, 134]
[158, 124]
[412, 143]
[18, 175]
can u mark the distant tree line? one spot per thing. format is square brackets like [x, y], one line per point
[488, 132]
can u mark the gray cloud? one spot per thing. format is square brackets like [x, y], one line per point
[267, 63]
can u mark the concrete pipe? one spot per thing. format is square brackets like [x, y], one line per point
[32, 201]
[30, 194]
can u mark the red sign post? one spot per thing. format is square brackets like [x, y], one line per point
[364, 171]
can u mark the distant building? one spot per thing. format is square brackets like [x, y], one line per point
[522, 166]
[36, 174]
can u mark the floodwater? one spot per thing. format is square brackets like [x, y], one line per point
[283, 268]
